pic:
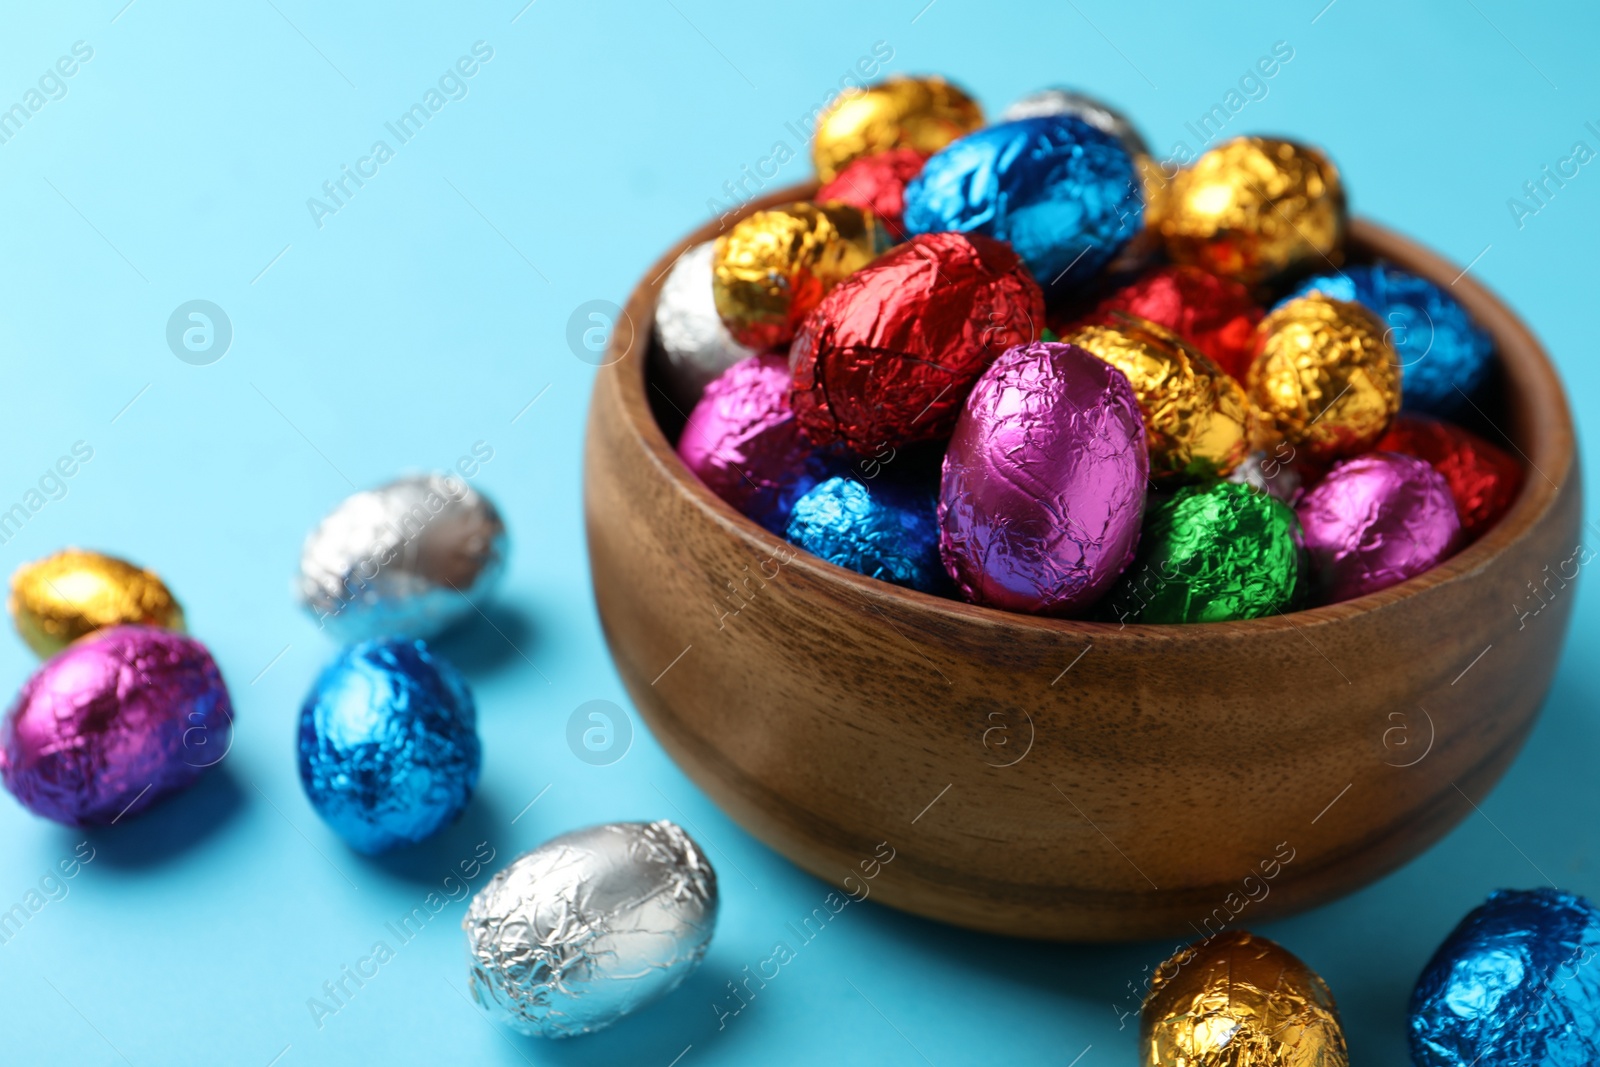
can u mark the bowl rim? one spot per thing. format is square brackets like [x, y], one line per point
[1538, 405]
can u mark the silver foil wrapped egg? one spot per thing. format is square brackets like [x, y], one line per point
[410, 558]
[696, 344]
[1059, 101]
[590, 926]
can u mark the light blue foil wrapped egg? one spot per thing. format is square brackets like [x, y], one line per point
[880, 528]
[1444, 354]
[1517, 982]
[389, 751]
[1063, 193]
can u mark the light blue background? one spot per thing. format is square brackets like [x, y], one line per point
[427, 313]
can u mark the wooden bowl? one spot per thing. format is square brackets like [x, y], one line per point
[1073, 780]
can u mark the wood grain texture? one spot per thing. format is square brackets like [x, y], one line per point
[1072, 780]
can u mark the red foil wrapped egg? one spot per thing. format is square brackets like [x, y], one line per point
[1483, 479]
[1212, 313]
[877, 183]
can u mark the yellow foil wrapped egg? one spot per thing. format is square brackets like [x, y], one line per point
[921, 113]
[1325, 378]
[774, 266]
[1256, 209]
[58, 599]
[1237, 1000]
[1197, 421]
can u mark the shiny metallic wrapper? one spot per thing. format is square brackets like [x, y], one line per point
[882, 528]
[58, 599]
[921, 113]
[697, 345]
[1516, 983]
[1238, 1000]
[1266, 472]
[113, 723]
[1212, 313]
[1483, 479]
[1097, 113]
[589, 927]
[877, 183]
[411, 558]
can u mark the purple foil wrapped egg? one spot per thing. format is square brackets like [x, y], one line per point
[113, 723]
[1044, 482]
[1376, 520]
[743, 442]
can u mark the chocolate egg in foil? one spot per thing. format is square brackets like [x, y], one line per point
[1210, 312]
[1483, 479]
[887, 358]
[1270, 473]
[589, 927]
[1066, 195]
[921, 113]
[881, 528]
[774, 266]
[1324, 379]
[743, 442]
[113, 723]
[1376, 520]
[1100, 115]
[412, 557]
[388, 744]
[1444, 355]
[1238, 1000]
[1256, 209]
[877, 183]
[1515, 983]
[1197, 421]
[1044, 482]
[58, 599]
[696, 344]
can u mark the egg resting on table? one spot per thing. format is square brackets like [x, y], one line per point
[60, 598]
[696, 344]
[924, 114]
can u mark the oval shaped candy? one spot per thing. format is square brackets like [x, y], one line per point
[1210, 312]
[1483, 479]
[388, 744]
[590, 926]
[696, 344]
[1097, 113]
[877, 183]
[879, 528]
[920, 113]
[58, 599]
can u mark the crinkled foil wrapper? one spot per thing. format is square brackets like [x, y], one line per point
[1267, 473]
[921, 113]
[880, 528]
[1197, 421]
[1097, 113]
[877, 184]
[1238, 1000]
[1256, 209]
[1064, 194]
[743, 442]
[1377, 520]
[774, 266]
[1444, 354]
[1214, 314]
[1325, 379]
[697, 346]
[1483, 479]
[1044, 482]
[1516, 983]
[388, 744]
[411, 558]
[1212, 553]
[590, 926]
[58, 599]
[113, 723]
[889, 356]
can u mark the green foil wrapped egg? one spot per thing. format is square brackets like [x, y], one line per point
[1212, 553]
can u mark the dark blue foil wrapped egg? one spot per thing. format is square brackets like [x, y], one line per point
[389, 749]
[1444, 354]
[1517, 982]
[880, 528]
[1063, 193]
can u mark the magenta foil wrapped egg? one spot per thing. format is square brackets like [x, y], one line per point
[114, 722]
[1377, 520]
[1044, 482]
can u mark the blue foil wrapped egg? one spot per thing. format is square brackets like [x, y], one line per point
[1065, 194]
[1516, 982]
[389, 751]
[1444, 354]
[880, 528]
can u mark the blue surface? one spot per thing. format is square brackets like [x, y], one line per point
[424, 316]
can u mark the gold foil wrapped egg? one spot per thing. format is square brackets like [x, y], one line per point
[921, 113]
[1197, 421]
[1237, 1000]
[58, 599]
[774, 266]
[1256, 209]
[1325, 378]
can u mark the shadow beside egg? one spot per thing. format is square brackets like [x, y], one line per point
[174, 825]
[499, 636]
[455, 852]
